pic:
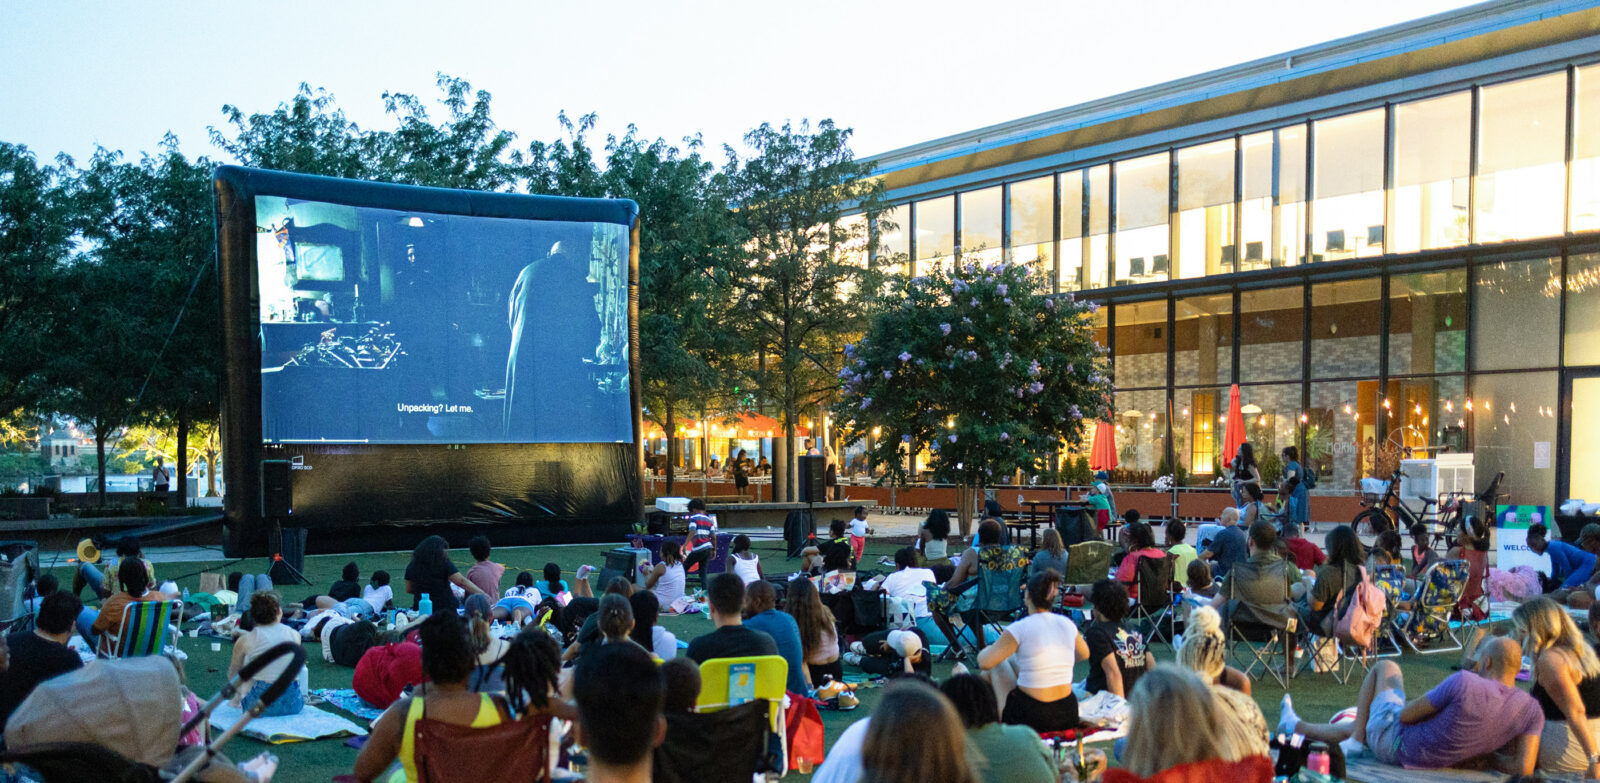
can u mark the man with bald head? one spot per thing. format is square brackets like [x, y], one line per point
[1471, 715]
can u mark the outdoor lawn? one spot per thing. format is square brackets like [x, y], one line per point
[1316, 695]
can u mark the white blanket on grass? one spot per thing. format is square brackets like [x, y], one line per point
[312, 723]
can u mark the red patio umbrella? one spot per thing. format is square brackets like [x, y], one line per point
[1235, 434]
[1103, 452]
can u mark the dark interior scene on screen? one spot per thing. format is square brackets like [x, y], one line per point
[385, 326]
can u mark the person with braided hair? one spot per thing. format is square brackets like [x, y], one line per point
[449, 659]
[1206, 652]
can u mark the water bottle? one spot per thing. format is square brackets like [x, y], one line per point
[185, 596]
[425, 606]
[1318, 760]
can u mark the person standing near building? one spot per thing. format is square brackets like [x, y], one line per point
[702, 539]
[1245, 472]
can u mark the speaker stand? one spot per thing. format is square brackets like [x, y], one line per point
[278, 562]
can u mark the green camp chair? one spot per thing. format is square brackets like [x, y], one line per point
[147, 628]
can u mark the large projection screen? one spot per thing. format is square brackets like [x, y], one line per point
[422, 356]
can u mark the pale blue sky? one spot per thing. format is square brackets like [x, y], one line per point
[120, 74]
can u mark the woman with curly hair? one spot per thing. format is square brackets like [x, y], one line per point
[819, 635]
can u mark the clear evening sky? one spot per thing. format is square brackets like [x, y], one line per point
[119, 74]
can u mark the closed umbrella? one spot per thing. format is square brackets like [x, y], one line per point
[1232, 439]
[1103, 453]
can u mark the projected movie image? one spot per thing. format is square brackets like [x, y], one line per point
[385, 326]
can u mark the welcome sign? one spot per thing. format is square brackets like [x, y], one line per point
[1513, 523]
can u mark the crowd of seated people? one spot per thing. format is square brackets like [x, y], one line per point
[608, 665]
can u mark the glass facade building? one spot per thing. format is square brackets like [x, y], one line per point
[1391, 239]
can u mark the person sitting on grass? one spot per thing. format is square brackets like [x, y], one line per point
[448, 661]
[266, 611]
[554, 584]
[1031, 664]
[1471, 715]
[746, 563]
[378, 593]
[646, 631]
[761, 614]
[87, 575]
[1117, 656]
[1175, 733]
[668, 578]
[891, 654]
[819, 634]
[915, 736]
[484, 573]
[1205, 652]
[730, 639]
[619, 695]
[431, 573]
[1566, 684]
[488, 675]
[1009, 754]
[589, 634]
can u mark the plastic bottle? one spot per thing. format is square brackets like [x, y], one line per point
[425, 606]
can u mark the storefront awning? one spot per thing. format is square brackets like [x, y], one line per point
[743, 426]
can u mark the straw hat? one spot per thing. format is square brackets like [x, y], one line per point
[88, 552]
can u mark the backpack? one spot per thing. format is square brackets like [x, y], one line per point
[350, 641]
[1359, 619]
[1309, 479]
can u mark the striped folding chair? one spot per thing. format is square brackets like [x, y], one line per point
[147, 628]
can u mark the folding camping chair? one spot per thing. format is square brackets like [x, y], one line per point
[996, 598]
[723, 746]
[1264, 645]
[1156, 596]
[1428, 622]
[1088, 562]
[148, 627]
[1391, 579]
[730, 682]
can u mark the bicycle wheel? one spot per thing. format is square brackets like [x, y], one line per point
[1371, 522]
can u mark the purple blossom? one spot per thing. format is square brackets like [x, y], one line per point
[861, 362]
[1076, 413]
[952, 438]
[1033, 368]
[1050, 304]
[974, 302]
[945, 328]
[905, 438]
[865, 401]
[971, 268]
[972, 356]
[1094, 307]
[1002, 289]
[919, 362]
[1035, 387]
[1069, 369]
[849, 349]
[1007, 300]
[1020, 390]
[1004, 436]
[905, 356]
[887, 375]
[958, 286]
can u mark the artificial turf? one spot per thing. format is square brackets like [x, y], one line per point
[1316, 696]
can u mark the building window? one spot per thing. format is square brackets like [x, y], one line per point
[1428, 323]
[1141, 345]
[1521, 190]
[1511, 415]
[1032, 224]
[1141, 427]
[1143, 252]
[894, 240]
[1270, 331]
[1203, 340]
[1432, 166]
[1586, 151]
[1272, 216]
[1346, 328]
[980, 226]
[1583, 310]
[1099, 225]
[1271, 422]
[1075, 274]
[1342, 431]
[936, 233]
[1205, 210]
[1349, 200]
[1199, 429]
[1515, 309]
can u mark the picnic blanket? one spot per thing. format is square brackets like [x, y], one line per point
[1367, 769]
[312, 723]
[347, 700]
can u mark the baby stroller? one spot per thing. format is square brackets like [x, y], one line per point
[101, 723]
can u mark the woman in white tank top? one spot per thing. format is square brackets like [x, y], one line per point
[746, 564]
[1031, 663]
[666, 580]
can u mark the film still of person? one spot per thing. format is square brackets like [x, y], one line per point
[385, 326]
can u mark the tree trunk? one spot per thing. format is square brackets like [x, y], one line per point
[672, 447]
[100, 459]
[964, 509]
[211, 472]
[780, 457]
[790, 475]
[183, 459]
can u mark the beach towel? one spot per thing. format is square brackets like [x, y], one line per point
[347, 700]
[311, 723]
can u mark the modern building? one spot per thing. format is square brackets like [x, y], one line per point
[1389, 238]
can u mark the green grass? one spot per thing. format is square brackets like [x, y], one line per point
[1316, 696]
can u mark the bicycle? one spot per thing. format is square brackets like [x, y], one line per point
[1382, 513]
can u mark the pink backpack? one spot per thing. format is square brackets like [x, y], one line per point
[1360, 619]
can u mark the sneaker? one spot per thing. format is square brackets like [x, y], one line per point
[584, 571]
[959, 669]
[853, 658]
[858, 648]
[848, 701]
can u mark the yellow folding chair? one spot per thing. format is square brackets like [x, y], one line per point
[729, 682]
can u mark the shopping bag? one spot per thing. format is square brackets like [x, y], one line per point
[803, 724]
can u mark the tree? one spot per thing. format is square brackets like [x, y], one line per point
[797, 301]
[35, 244]
[467, 150]
[687, 246]
[309, 135]
[981, 365]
